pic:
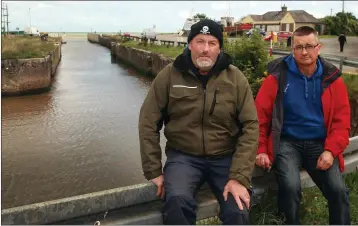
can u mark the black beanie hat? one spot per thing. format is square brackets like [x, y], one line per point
[206, 26]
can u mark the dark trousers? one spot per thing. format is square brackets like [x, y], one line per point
[296, 154]
[184, 175]
[341, 45]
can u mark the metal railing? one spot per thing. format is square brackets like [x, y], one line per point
[138, 204]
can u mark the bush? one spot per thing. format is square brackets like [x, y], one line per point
[351, 81]
[250, 55]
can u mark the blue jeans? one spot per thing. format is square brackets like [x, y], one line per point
[294, 155]
[184, 175]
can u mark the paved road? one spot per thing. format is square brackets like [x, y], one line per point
[331, 46]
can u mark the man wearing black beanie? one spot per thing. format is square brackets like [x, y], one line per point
[211, 126]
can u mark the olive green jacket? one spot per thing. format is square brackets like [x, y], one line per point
[215, 121]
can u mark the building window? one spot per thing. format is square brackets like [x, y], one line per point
[291, 27]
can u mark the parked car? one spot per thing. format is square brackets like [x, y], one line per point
[284, 34]
[262, 32]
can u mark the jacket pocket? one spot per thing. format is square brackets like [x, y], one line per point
[223, 104]
[213, 104]
[181, 91]
[184, 101]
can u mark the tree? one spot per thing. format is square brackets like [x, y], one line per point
[341, 22]
[201, 16]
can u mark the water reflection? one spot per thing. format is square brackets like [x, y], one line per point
[80, 137]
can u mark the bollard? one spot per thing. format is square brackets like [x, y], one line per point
[341, 63]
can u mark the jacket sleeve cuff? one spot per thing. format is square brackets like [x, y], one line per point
[336, 146]
[152, 175]
[241, 179]
[261, 150]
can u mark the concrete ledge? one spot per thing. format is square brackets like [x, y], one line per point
[353, 145]
[150, 213]
[147, 213]
[62, 209]
[95, 205]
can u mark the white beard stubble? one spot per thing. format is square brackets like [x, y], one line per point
[204, 64]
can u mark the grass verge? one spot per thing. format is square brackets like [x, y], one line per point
[23, 47]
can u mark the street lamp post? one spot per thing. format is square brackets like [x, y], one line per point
[30, 16]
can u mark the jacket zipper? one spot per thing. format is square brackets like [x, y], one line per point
[203, 113]
[214, 103]
[202, 120]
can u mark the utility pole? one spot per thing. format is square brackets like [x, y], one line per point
[342, 6]
[331, 11]
[4, 19]
[7, 20]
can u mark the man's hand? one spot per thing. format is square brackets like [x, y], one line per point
[239, 192]
[325, 161]
[263, 161]
[159, 181]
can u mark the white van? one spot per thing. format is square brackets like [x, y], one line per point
[32, 31]
[149, 34]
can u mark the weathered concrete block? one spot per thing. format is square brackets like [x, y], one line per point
[55, 58]
[159, 62]
[20, 76]
[23, 75]
[94, 38]
[137, 58]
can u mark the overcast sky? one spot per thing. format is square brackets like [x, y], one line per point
[134, 16]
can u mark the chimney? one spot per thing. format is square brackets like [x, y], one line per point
[284, 8]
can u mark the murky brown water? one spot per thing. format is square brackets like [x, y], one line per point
[78, 138]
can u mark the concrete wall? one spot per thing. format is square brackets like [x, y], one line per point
[55, 56]
[139, 59]
[91, 37]
[159, 62]
[20, 76]
[144, 61]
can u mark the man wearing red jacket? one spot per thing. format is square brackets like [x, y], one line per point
[304, 118]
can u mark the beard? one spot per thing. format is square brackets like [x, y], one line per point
[204, 63]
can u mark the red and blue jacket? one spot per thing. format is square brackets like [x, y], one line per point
[335, 104]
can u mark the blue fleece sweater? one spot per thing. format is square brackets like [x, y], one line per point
[303, 113]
